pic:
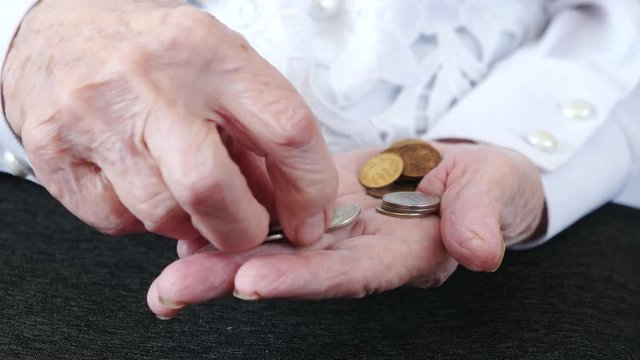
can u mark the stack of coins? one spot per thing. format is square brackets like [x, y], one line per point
[342, 216]
[398, 168]
[408, 204]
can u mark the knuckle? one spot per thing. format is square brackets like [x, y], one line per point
[197, 192]
[107, 217]
[189, 17]
[126, 60]
[185, 25]
[157, 211]
[39, 137]
[116, 226]
[295, 126]
[45, 140]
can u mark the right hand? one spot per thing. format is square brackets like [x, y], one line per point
[153, 115]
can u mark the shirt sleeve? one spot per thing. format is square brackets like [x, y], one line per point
[14, 159]
[554, 101]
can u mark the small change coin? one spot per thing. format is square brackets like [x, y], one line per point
[418, 157]
[343, 216]
[411, 200]
[386, 211]
[275, 237]
[275, 233]
[381, 170]
[426, 211]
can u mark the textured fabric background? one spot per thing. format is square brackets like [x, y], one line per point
[68, 292]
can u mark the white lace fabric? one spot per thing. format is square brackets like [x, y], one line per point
[377, 70]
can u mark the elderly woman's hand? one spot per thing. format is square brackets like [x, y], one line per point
[489, 196]
[152, 114]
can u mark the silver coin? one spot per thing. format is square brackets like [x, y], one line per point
[426, 211]
[380, 209]
[343, 216]
[275, 237]
[275, 228]
[411, 200]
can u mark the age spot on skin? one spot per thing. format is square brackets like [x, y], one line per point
[245, 46]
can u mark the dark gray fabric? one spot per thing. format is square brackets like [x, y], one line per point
[68, 292]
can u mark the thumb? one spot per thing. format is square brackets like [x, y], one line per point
[470, 219]
[470, 228]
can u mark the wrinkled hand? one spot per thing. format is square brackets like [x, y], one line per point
[489, 196]
[374, 254]
[153, 115]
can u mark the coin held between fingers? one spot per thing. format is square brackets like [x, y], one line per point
[342, 216]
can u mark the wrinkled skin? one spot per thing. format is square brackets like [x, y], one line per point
[149, 115]
[152, 115]
[490, 197]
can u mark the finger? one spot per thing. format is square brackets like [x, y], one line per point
[266, 114]
[254, 169]
[355, 268]
[206, 183]
[200, 277]
[470, 225]
[114, 144]
[78, 183]
[471, 230]
[186, 248]
[140, 187]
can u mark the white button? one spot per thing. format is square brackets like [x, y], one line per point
[542, 140]
[578, 109]
[324, 9]
[14, 165]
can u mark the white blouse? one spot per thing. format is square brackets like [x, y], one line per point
[378, 70]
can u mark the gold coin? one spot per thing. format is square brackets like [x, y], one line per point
[381, 170]
[419, 158]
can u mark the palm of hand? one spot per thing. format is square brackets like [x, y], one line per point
[374, 254]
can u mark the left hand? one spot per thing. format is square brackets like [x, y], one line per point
[490, 197]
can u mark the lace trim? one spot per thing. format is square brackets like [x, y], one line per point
[377, 70]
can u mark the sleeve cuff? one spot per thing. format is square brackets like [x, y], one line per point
[589, 180]
[526, 98]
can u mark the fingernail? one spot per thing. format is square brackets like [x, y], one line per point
[478, 247]
[240, 296]
[169, 304]
[504, 249]
[164, 318]
[311, 229]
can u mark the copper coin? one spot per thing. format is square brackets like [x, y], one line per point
[381, 170]
[418, 158]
